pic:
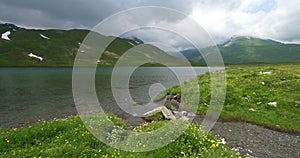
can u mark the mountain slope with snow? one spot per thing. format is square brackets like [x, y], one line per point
[28, 47]
[5, 35]
[245, 49]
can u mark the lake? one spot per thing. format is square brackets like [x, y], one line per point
[31, 94]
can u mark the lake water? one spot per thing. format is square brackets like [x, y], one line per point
[31, 94]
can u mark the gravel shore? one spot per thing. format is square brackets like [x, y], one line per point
[257, 141]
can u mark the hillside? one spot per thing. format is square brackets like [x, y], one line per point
[263, 94]
[31, 47]
[242, 49]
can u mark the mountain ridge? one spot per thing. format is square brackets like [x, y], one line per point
[26, 47]
[247, 49]
[54, 47]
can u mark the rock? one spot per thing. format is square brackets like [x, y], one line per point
[265, 73]
[168, 114]
[165, 111]
[190, 114]
[273, 104]
[184, 118]
[251, 109]
[283, 79]
[222, 141]
[258, 103]
[184, 115]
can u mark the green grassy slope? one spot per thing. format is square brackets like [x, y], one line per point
[60, 49]
[253, 50]
[70, 138]
[249, 93]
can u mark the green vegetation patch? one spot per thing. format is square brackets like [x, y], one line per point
[63, 46]
[70, 138]
[266, 95]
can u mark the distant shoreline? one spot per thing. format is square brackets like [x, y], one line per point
[152, 65]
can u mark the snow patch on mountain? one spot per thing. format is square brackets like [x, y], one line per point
[31, 55]
[233, 39]
[230, 42]
[43, 36]
[5, 35]
[131, 43]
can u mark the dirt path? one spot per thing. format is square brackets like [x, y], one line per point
[257, 141]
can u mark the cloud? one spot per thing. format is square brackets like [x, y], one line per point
[73, 13]
[57, 14]
[157, 26]
[261, 18]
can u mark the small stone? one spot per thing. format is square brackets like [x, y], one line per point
[222, 141]
[184, 118]
[283, 79]
[251, 109]
[273, 104]
[265, 73]
[190, 114]
[245, 98]
[165, 111]
[258, 103]
[183, 113]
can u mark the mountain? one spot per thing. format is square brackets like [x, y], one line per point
[242, 49]
[33, 47]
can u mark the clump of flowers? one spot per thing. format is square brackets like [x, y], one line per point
[194, 141]
[116, 135]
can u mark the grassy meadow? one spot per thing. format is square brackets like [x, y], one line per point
[250, 96]
[70, 138]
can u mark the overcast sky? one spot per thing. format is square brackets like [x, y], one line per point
[275, 19]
